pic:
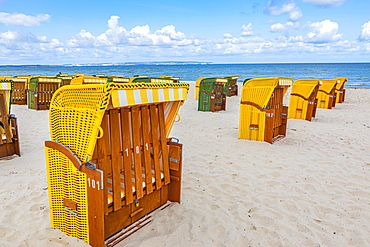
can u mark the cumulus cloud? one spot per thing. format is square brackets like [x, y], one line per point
[247, 30]
[137, 36]
[289, 6]
[22, 19]
[117, 43]
[365, 32]
[324, 31]
[325, 3]
[279, 27]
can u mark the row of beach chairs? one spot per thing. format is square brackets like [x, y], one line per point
[263, 117]
[111, 159]
[36, 91]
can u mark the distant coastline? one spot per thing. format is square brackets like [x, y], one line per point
[113, 64]
[162, 63]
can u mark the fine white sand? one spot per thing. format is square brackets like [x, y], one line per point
[311, 188]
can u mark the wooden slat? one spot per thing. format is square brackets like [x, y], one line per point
[136, 131]
[4, 118]
[116, 157]
[95, 209]
[103, 149]
[166, 168]
[145, 118]
[127, 153]
[156, 148]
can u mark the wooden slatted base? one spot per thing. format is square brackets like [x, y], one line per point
[118, 237]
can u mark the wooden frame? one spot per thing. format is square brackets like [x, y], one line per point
[8, 129]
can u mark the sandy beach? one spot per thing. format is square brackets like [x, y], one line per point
[311, 188]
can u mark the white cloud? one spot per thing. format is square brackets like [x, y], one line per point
[295, 14]
[289, 6]
[279, 27]
[325, 3]
[247, 30]
[365, 32]
[117, 43]
[324, 31]
[22, 19]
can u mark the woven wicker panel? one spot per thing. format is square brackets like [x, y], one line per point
[66, 182]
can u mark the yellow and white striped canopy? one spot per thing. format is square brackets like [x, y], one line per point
[131, 97]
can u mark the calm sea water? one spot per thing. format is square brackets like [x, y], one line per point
[358, 74]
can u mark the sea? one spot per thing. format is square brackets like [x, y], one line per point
[358, 74]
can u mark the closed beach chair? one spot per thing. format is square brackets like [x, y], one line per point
[40, 91]
[146, 79]
[137, 76]
[231, 87]
[303, 101]
[9, 140]
[118, 79]
[326, 96]
[19, 94]
[339, 89]
[66, 79]
[88, 80]
[110, 160]
[211, 94]
[20, 84]
[263, 117]
[175, 79]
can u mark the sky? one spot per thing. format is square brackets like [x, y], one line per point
[232, 31]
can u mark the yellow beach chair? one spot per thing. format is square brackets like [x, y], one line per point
[40, 91]
[136, 77]
[146, 79]
[339, 89]
[110, 160]
[175, 79]
[326, 95]
[66, 79]
[263, 116]
[9, 140]
[303, 101]
[20, 85]
[88, 80]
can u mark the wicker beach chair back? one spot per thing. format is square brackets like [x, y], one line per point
[327, 96]
[262, 113]
[303, 102]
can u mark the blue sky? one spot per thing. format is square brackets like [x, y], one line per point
[233, 31]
